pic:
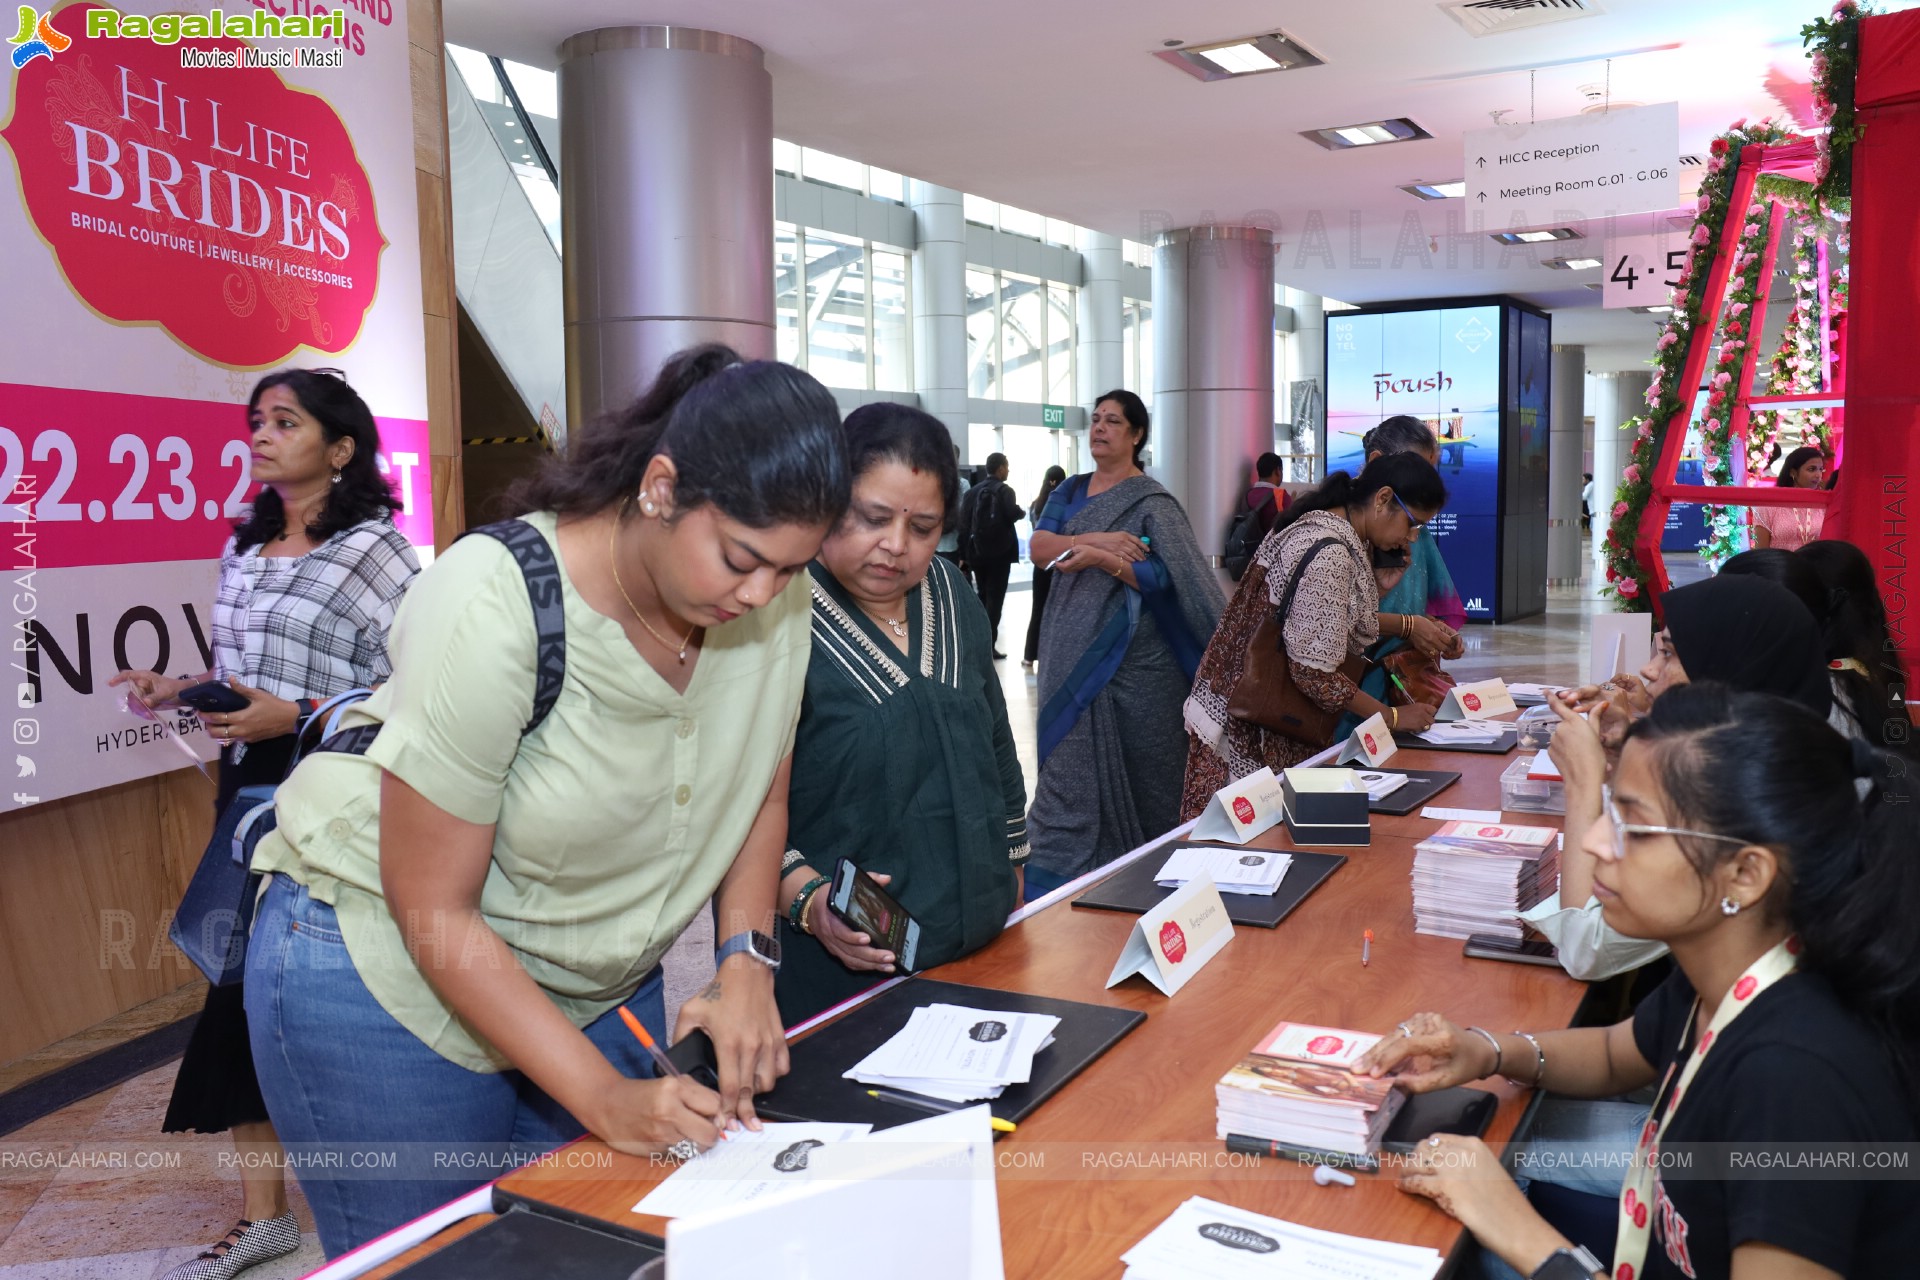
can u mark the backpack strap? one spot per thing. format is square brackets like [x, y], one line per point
[541, 571]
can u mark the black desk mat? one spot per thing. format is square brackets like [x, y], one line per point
[1507, 741]
[1421, 786]
[527, 1241]
[1132, 888]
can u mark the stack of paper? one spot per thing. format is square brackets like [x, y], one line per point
[1379, 785]
[1249, 871]
[1477, 877]
[1207, 1240]
[1531, 695]
[1456, 732]
[1296, 1088]
[957, 1054]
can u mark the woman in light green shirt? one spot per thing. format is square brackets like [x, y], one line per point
[454, 916]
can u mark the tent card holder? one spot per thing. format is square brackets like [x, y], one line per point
[1242, 810]
[1174, 941]
[1482, 700]
[1621, 643]
[1370, 743]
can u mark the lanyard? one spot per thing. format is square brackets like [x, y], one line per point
[1636, 1200]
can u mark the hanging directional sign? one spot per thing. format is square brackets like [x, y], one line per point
[1575, 169]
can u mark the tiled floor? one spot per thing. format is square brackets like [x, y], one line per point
[135, 1223]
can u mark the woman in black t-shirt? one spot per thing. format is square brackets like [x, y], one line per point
[1767, 852]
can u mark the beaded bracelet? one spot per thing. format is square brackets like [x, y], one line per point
[796, 912]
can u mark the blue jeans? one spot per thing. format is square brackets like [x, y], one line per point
[378, 1127]
[1581, 1145]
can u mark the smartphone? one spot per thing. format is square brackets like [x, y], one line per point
[863, 904]
[1484, 946]
[1383, 559]
[214, 695]
[1062, 556]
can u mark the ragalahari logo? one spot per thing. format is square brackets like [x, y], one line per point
[37, 38]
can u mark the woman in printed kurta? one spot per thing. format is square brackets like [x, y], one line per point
[904, 761]
[1334, 613]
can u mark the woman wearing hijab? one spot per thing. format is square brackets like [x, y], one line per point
[1741, 630]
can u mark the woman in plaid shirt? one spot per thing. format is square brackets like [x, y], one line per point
[309, 583]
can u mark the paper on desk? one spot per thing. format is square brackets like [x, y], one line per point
[949, 1051]
[1204, 1238]
[1460, 815]
[1380, 785]
[1457, 731]
[750, 1165]
[1249, 871]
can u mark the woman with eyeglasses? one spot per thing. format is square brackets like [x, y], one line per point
[309, 585]
[1316, 567]
[1773, 856]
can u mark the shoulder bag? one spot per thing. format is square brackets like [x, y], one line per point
[1265, 694]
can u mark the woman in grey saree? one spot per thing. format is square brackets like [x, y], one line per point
[1132, 607]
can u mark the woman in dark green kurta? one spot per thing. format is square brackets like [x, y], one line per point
[904, 761]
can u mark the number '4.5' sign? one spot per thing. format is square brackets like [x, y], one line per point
[1641, 271]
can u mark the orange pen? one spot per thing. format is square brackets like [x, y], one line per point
[1366, 950]
[660, 1059]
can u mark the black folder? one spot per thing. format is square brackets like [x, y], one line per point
[1507, 741]
[815, 1089]
[1420, 787]
[1132, 888]
[530, 1241]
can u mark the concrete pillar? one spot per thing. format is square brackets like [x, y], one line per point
[666, 180]
[1099, 353]
[1213, 368]
[1310, 362]
[1617, 397]
[940, 305]
[1565, 446]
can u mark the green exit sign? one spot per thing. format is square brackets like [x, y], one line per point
[1053, 415]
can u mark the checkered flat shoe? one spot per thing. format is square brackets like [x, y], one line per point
[247, 1245]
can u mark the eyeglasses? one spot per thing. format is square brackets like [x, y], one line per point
[1415, 526]
[1621, 830]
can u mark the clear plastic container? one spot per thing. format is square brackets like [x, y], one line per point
[1531, 795]
[1536, 726]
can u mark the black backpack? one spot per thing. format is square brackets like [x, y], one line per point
[1244, 536]
[963, 521]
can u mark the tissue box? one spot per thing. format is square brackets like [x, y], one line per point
[1324, 807]
[1531, 795]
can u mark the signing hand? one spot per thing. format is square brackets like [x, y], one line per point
[645, 1117]
[1412, 718]
[738, 1013]
[848, 945]
[1426, 1052]
[265, 717]
[154, 689]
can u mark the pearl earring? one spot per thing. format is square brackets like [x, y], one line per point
[336, 477]
[1729, 906]
[647, 507]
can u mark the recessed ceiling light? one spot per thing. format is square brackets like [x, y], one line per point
[1654, 311]
[1571, 264]
[1371, 134]
[1245, 56]
[1437, 190]
[1535, 237]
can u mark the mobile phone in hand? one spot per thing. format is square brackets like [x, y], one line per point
[860, 901]
[214, 695]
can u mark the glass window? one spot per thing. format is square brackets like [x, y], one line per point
[885, 184]
[1022, 307]
[786, 293]
[539, 89]
[1021, 223]
[984, 212]
[836, 310]
[1134, 253]
[1059, 344]
[478, 73]
[982, 439]
[983, 356]
[837, 171]
[1281, 407]
[1136, 358]
[1059, 232]
[786, 158]
[892, 336]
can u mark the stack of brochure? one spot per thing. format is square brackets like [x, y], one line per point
[1207, 1240]
[1379, 785]
[957, 1054]
[1477, 877]
[1296, 1088]
[1234, 870]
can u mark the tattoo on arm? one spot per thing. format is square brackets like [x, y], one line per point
[712, 992]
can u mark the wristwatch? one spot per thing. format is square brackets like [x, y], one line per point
[1577, 1263]
[760, 946]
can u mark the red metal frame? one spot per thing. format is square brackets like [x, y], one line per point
[1794, 157]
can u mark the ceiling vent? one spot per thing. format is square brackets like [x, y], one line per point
[1491, 17]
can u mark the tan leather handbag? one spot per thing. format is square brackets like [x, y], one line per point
[1265, 694]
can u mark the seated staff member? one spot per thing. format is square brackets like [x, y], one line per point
[1334, 613]
[453, 918]
[1772, 855]
[904, 762]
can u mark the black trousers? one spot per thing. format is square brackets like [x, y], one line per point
[1042, 583]
[991, 580]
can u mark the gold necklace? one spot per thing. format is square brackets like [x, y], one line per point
[614, 564]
